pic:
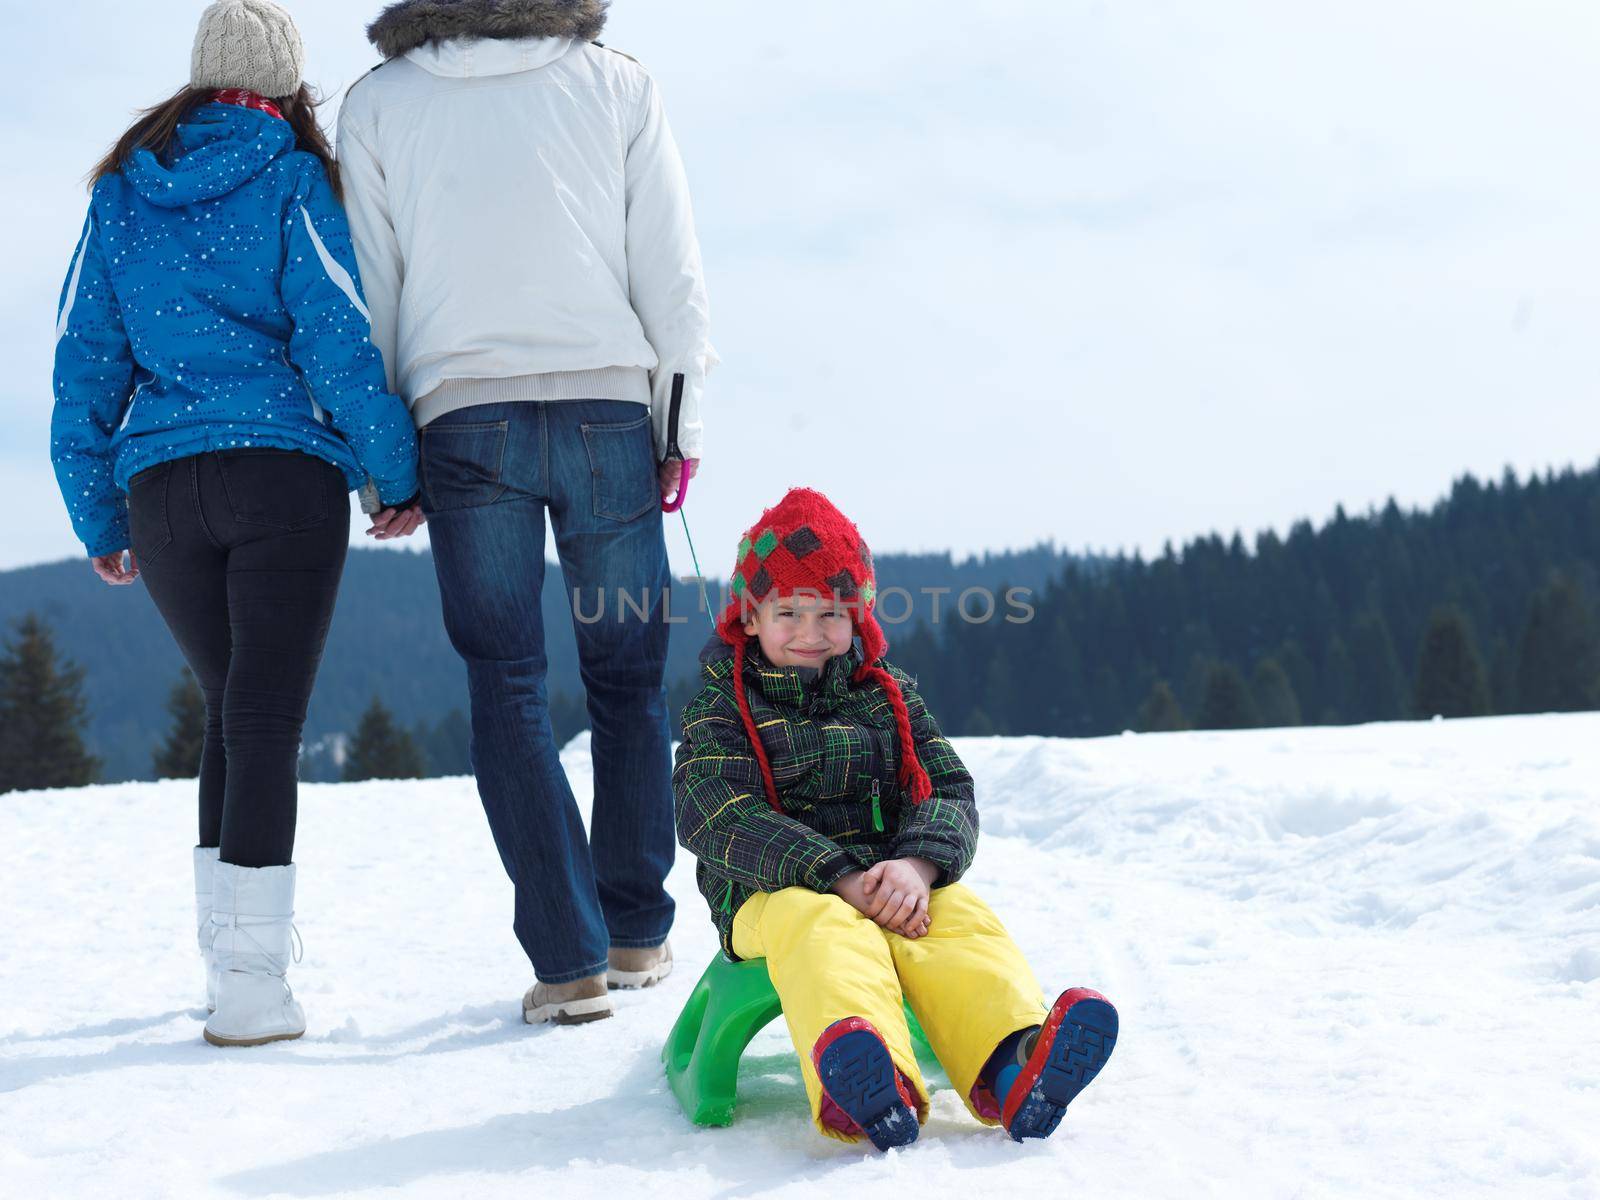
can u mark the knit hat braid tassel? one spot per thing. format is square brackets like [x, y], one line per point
[767, 780]
[804, 544]
[913, 776]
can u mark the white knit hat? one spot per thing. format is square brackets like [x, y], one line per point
[249, 44]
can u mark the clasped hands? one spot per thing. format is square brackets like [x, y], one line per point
[894, 894]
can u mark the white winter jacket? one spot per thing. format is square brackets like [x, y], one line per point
[523, 227]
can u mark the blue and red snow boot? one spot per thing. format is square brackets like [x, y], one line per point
[862, 1090]
[1067, 1053]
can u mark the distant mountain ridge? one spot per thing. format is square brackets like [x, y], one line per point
[1322, 625]
[388, 639]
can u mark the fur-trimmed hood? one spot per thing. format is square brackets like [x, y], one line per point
[408, 24]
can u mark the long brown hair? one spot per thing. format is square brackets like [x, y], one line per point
[157, 126]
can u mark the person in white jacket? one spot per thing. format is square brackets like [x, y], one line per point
[522, 223]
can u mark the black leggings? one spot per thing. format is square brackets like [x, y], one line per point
[242, 552]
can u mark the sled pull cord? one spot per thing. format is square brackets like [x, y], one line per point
[705, 597]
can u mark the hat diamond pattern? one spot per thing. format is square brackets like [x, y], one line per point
[802, 541]
[843, 585]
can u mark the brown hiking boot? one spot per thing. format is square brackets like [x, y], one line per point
[567, 1003]
[638, 968]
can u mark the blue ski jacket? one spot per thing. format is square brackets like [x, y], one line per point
[213, 303]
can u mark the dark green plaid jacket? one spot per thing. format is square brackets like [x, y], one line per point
[835, 758]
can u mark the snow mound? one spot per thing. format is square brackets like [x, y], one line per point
[1349, 962]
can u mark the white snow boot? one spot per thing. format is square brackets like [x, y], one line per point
[205, 864]
[252, 910]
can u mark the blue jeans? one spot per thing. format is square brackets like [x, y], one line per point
[489, 474]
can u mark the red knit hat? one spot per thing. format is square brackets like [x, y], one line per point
[804, 544]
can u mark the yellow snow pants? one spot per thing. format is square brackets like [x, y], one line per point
[966, 980]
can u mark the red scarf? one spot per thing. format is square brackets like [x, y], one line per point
[246, 99]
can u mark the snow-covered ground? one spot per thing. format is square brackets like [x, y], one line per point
[1349, 962]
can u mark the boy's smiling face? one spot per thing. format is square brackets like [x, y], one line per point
[801, 630]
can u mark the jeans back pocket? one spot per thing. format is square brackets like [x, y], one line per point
[462, 463]
[149, 526]
[622, 463]
[278, 489]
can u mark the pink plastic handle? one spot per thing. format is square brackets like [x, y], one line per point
[683, 491]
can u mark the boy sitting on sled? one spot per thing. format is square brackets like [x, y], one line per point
[832, 822]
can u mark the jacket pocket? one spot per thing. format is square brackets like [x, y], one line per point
[149, 527]
[623, 469]
[842, 756]
[277, 489]
[461, 463]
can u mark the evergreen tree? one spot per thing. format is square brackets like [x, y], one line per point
[1227, 703]
[1102, 631]
[1502, 677]
[179, 756]
[1450, 676]
[1161, 712]
[998, 697]
[1302, 677]
[1276, 703]
[42, 714]
[447, 745]
[1105, 693]
[1380, 687]
[978, 725]
[1338, 684]
[1196, 674]
[382, 749]
[1558, 664]
[1329, 603]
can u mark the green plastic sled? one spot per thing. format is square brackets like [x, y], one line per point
[732, 1002]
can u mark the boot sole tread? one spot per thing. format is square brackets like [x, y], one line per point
[569, 1012]
[1082, 1044]
[859, 1075]
[219, 1040]
[634, 980]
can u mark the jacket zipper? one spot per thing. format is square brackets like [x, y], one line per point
[318, 413]
[877, 808]
[127, 413]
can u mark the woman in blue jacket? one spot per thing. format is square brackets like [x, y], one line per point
[216, 399]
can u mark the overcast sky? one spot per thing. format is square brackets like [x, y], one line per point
[989, 274]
